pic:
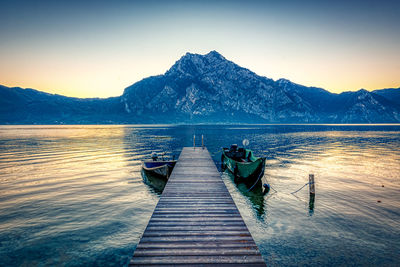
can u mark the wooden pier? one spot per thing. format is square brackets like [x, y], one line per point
[196, 222]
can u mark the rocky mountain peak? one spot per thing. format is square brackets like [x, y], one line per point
[284, 83]
[214, 55]
[196, 64]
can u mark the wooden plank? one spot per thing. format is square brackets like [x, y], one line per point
[195, 251]
[202, 265]
[196, 222]
[205, 245]
[191, 206]
[197, 233]
[243, 259]
[179, 223]
[206, 216]
[196, 218]
[192, 239]
[195, 210]
[153, 228]
[197, 245]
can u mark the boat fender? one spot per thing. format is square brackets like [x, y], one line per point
[267, 187]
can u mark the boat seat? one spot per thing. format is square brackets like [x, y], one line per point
[239, 155]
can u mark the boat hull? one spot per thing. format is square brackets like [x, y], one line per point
[249, 173]
[161, 169]
[153, 181]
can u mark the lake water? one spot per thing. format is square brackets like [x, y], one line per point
[74, 195]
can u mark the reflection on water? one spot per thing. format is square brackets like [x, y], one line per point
[311, 203]
[256, 195]
[75, 195]
[155, 183]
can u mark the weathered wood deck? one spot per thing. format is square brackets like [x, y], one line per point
[196, 222]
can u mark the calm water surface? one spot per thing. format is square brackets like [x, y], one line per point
[74, 195]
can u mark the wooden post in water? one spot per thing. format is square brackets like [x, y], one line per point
[194, 141]
[312, 193]
[311, 184]
[202, 143]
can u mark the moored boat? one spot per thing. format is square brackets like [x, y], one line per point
[159, 168]
[245, 167]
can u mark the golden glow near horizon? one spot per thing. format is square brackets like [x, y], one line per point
[98, 54]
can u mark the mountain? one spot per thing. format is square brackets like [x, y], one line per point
[391, 94]
[204, 89]
[209, 88]
[29, 106]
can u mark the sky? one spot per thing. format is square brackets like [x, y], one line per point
[98, 48]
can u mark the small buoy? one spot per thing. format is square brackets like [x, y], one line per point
[245, 142]
[379, 201]
[266, 188]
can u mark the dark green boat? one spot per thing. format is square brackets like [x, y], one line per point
[246, 167]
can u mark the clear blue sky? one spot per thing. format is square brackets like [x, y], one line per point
[97, 48]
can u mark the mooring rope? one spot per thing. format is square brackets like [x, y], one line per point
[270, 186]
[259, 176]
[255, 183]
[300, 188]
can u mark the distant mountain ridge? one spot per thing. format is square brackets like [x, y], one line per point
[204, 89]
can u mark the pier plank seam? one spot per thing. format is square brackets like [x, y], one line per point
[196, 222]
